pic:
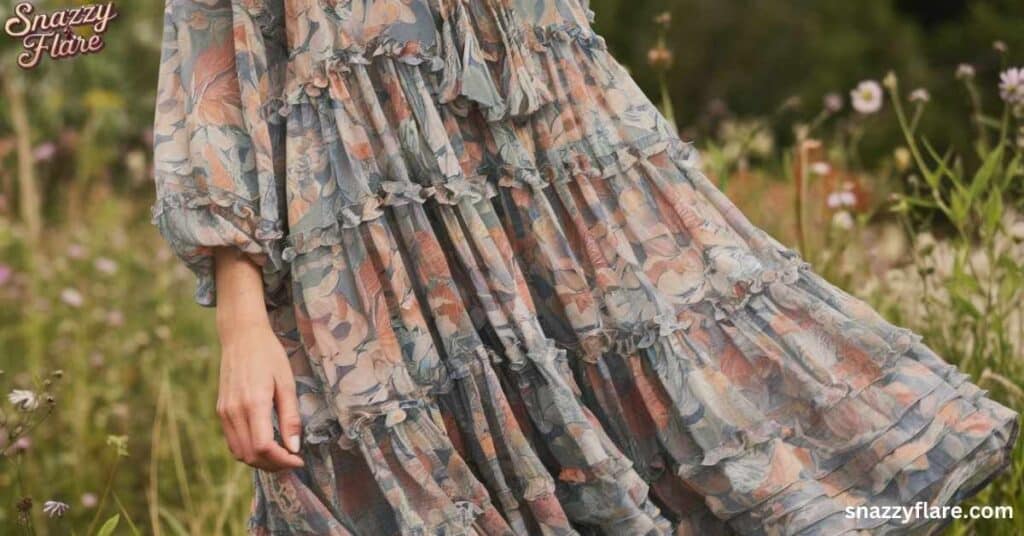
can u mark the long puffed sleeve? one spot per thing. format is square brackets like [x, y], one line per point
[217, 182]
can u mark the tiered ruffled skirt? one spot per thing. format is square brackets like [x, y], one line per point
[514, 305]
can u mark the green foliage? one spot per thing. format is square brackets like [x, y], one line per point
[753, 55]
[979, 301]
[133, 430]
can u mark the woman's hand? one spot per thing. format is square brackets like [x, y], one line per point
[255, 377]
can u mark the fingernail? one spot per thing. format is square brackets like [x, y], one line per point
[293, 443]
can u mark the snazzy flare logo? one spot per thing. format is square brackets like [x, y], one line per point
[58, 34]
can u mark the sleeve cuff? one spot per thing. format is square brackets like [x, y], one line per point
[194, 225]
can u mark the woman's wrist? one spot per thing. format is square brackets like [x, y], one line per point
[241, 308]
[239, 323]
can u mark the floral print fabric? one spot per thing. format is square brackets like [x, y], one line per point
[512, 302]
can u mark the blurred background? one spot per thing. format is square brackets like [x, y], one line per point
[882, 139]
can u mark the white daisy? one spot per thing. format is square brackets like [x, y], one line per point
[866, 98]
[72, 297]
[1011, 85]
[24, 399]
[55, 508]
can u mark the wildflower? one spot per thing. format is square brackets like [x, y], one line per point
[120, 444]
[845, 198]
[115, 318]
[89, 500]
[1011, 85]
[135, 163]
[76, 251]
[55, 508]
[833, 102]
[898, 203]
[866, 98]
[663, 19]
[6, 272]
[1000, 47]
[72, 297]
[23, 399]
[842, 220]
[965, 71]
[659, 57]
[22, 444]
[920, 95]
[105, 265]
[96, 360]
[45, 151]
[902, 156]
[821, 168]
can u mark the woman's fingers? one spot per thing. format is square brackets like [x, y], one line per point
[229, 430]
[288, 418]
[267, 453]
[254, 378]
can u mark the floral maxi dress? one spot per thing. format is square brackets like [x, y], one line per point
[512, 302]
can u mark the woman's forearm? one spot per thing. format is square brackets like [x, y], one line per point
[240, 302]
[255, 376]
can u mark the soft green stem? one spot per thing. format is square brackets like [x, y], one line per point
[103, 498]
[666, 101]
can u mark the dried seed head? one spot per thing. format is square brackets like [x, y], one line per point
[659, 57]
[965, 71]
[920, 95]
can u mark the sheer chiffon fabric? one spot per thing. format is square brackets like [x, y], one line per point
[513, 303]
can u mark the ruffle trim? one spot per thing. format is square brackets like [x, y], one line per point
[243, 209]
[460, 64]
[458, 366]
[304, 238]
[408, 427]
[822, 498]
[263, 239]
[307, 236]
